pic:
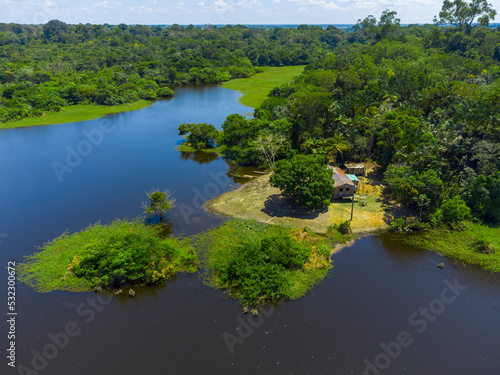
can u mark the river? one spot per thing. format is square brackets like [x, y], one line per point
[384, 307]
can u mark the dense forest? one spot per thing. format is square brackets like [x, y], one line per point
[421, 100]
[49, 67]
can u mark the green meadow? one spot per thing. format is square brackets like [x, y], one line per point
[75, 113]
[256, 88]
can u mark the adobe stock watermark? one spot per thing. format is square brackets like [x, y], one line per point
[419, 320]
[3, 236]
[246, 327]
[210, 191]
[59, 341]
[75, 155]
[42, 11]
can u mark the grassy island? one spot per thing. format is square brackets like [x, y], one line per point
[259, 263]
[256, 263]
[121, 253]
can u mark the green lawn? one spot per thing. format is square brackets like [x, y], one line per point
[75, 113]
[462, 244]
[256, 88]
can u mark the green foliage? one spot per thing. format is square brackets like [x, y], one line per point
[159, 203]
[462, 15]
[259, 263]
[199, 136]
[473, 243]
[305, 179]
[132, 259]
[455, 211]
[110, 255]
[163, 92]
[344, 227]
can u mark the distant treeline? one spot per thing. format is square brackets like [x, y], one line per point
[48, 67]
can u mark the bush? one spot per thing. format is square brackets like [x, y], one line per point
[164, 92]
[455, 210]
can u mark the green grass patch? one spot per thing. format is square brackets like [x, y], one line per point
[75, 113]
[259, 263]
[121, 253]
[473, 243]
[256, 88]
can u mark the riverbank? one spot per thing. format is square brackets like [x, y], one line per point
[473, 243]
[258, 200]
[75, 113]
[256, 88]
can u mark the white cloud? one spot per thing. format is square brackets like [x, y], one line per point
[180, 6]
[276, 1]
[330, 6]
[250, 4]
[108, 4]
[141, 9]
[200, 4]
[303, 9]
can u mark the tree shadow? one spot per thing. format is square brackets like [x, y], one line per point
[278, 206]
[393, 210]
[199, 157]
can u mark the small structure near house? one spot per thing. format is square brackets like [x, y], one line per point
[355, 169]
[344, 187]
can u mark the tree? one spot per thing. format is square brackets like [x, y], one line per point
[462, 15]
[200, 136]
[54, 28]
[335, 145]
[269, 145]
[305, 179]
[159, 203]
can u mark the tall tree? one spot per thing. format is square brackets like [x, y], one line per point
[462, 15]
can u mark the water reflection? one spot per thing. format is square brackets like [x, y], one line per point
[200, 157]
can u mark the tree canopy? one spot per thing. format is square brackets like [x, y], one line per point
[305, 179]
[463, 14]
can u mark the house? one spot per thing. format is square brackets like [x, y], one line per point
[355, 169]
[344, 187]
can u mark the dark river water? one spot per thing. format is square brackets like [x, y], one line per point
[383, 309]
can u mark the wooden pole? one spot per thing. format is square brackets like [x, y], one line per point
[352, 207]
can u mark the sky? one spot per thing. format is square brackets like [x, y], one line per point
[159, 12]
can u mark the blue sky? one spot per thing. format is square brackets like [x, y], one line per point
[216, 11]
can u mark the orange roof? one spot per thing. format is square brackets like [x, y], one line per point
[340, 177]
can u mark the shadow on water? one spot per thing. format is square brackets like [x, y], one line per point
[199, 157]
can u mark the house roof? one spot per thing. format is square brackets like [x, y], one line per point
[352, 177]
[340, 177]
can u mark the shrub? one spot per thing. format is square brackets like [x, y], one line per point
[455, 210]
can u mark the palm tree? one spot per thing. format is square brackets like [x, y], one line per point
[485, 114]
[335, 145]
